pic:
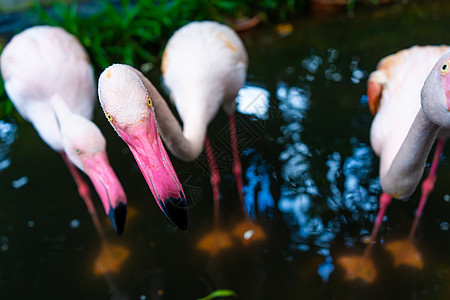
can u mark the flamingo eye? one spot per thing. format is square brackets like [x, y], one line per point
[109, 117]
[149, 101]
[445, 68]
[78, 151]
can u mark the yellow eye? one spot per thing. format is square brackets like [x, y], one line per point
[445, 68]
[149, 101]
[109, 117]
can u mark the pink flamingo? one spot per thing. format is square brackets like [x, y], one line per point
[129, 109]
[50, 81]
[412, 111]
[204, 65]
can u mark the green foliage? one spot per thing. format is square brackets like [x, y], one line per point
[112, 35]
[135, 33]
[6, 107]
[282, 9]
[219, 294]
[352, 3]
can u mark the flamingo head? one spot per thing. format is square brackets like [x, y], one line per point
[436, 93]
[128, 108]
[85, 147]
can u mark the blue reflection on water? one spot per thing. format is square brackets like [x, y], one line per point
[351, 187]
[357, 170]
[257, 195]
[8, 134]
[325, 269]
[253, 100]
[298, 186]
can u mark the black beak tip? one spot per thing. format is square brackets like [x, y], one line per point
[118, 216]
[176, 210]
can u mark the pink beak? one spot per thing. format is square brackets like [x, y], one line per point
[108, 188]
[148, 150]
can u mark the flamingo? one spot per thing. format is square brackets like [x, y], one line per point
[129, 109]
[204, 65]
[50, 81]
[412, 111]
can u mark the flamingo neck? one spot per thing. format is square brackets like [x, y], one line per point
[407, 168]
[195, 132]
[60, 107]
[186, 143]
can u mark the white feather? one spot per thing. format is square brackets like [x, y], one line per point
[204, 66]
[400, 101]
[39, 63]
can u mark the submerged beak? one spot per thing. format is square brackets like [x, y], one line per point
[148, 150]
[108, 188]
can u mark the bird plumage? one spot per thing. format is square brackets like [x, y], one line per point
[413, 90]
[129, 109]
[50, 81]
[57, 59]
[401, 76]
[204, 65]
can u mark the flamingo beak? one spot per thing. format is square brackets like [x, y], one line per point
[108, 188]
[151, 157]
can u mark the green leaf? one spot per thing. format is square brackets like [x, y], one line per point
[219, 293]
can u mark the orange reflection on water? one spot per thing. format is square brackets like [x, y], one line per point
[214, 242]
[358, 267]
[110, 259]
[284, 29]
[405, 253]
[249, 232]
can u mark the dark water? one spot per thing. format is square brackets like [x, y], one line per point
[310, 180]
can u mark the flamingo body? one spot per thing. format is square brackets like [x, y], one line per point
[204, 65]
[413, 90]
[43, 61]
[402, 76]
[50, 81]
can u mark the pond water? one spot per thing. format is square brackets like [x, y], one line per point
[311, 181]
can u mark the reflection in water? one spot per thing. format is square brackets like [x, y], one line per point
[4, 244]
[325, 269]
[17, 184]
[257, 195]
[258, 200]
[358, 195]
[357, 74]
[298, 186]
[312, 65]
[8, 134]
[357, 169]
[253, 100]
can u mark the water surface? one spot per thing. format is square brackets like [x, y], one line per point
[311, 180]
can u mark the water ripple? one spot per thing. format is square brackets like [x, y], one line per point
[8, 134]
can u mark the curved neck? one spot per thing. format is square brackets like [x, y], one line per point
[185, 145]
[406, 170]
